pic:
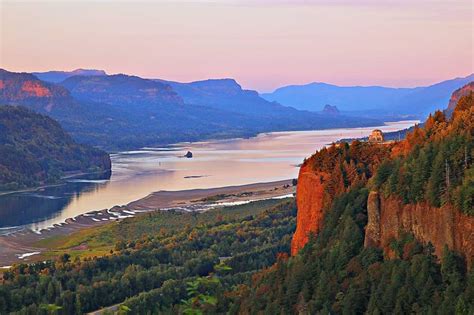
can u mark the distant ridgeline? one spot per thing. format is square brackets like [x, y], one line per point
[382, 228]
[34, 150]
[376, 101]
[122, 111]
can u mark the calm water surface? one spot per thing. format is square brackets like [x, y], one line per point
[135, 174]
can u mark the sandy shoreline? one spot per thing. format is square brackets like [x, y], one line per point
[60, 183]
[16, 246]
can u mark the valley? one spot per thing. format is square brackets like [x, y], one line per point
[266, 158]
[231, 157]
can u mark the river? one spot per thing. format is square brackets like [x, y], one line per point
[135, 174]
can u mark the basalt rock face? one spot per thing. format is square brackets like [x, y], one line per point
[389, 218]
[309, 198]
[26, 89]
[456, 96]
[373, 229]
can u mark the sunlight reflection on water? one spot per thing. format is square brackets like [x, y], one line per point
[135, 174]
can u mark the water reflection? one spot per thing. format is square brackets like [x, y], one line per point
[34, 206]
[135, 174]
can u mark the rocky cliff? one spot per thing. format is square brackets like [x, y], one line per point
[427, 182]
[389, 218]
[310, 193]
[325, 175]
[456, 96]
[26, 89]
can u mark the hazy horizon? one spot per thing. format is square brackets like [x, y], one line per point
[261, 44]
[251, 88]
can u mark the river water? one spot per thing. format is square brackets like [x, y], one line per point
[135, 174]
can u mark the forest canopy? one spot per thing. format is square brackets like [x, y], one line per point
[35, 150]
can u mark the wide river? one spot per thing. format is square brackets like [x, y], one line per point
[135, 174]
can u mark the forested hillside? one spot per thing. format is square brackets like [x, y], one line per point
[335, 274]
[34, 150]
[405, 247]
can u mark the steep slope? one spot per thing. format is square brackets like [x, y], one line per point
[390, 219]
[327, 174]
[34, 149]
[58, 76]
[417, 101]
[26, 89]
[431, 98]
[464, 91]
[427, 185]
[87, 122]
[389, 231]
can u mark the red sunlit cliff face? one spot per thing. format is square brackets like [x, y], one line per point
[26, 89]
[465, 90]
[310, 192]
[327, 174]
[389, 215]
[389, 218]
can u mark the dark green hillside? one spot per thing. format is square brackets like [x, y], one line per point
[34, 149]
[340, 272]
[336, 274]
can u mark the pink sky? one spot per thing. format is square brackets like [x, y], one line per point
[262, 44]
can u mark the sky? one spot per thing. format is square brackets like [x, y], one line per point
[263, 44]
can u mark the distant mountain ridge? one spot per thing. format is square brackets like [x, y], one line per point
[417, 101]
[122, 111]
[26, 89]
[121, 89]
[228, 95]
[58, 76]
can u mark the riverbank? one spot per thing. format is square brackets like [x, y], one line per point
[60, 182]
[27, 246]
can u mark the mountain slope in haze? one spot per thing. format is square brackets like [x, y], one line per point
[34, 149]
[26, 89]
[119, 111]
[123, 112]
[198, 110]
[87, 122]
[415, 101]
[121, 90]
[227, 95]
[58, 76]
[464, 91]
